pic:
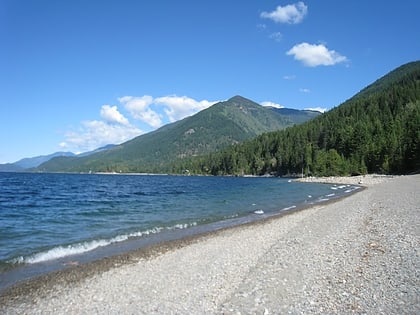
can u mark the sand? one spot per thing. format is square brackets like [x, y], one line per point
[356, 255]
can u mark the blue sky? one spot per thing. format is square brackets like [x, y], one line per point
[76, 75]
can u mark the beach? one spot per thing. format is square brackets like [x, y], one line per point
[357, 255]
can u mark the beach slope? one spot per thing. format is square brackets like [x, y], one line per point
[356, 255]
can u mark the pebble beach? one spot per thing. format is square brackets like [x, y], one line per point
[357, 255]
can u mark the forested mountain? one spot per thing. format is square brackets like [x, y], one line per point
[27, 163]
[376, 131]
[297, 116]
[217, 127]
[38, 160]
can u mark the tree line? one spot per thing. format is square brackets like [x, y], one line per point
[377, 131]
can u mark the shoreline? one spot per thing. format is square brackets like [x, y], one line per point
[362, 180]
[226, 270]
[75, 270]
[24, 273]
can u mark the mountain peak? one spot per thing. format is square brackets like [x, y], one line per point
[219, 126]
[238, 98]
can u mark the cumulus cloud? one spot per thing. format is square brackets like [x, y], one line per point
[315, 55]
[291, 13]
[93, 134]
[111, 115]
[178, 107]
[139, 108]
[317, 109]
[271, 104]
[114, 128]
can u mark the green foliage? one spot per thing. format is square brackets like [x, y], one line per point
[376, 131]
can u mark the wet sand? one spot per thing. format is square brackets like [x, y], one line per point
[356, 255]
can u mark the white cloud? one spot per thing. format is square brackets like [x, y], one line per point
[318, 109]
[139, 108]
[96, 133]
[178, 107]
[315, 55]
[115, 128]
[276, 36]
[291, 13]
[271, 104]
[304, 90]
[111, 115]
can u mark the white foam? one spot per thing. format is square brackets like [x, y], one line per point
[259, 212]
[322, 199]
[288, 208]
[335, 187]
[80, 248]
[63, 251]
[330, 195]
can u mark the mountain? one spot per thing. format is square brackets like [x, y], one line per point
[104, 148]
[38, 160]
[10, 167]
[221, 125]
[27, 164]
[375, 131]
[296, 116]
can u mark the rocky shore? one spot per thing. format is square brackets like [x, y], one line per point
[363, 180]
[358, 255]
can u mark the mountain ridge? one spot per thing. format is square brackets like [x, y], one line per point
[29, 163]
[222, 124]
[375, 131]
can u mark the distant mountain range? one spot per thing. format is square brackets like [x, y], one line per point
[223, 124]
[38, 160]
[33, 162]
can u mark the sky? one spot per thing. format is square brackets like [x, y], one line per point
[77, 75]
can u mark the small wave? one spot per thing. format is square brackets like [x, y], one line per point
[288, 208]
[235, 215]
[259, 211]
[63, 251]
[322, 199]
[330, 195]
[335, 187]
[80, 248]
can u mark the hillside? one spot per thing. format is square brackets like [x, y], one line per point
[376, 131]
[28, 164]
[217, 127]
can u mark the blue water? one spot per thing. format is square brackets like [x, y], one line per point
[50, 216]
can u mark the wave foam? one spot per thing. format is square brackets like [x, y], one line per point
[288, 208]
[80, 248]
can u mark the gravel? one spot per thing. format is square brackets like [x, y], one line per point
[354, 256]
